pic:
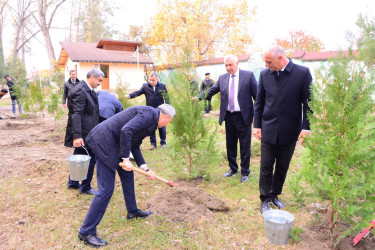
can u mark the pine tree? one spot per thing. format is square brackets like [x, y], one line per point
[339, 156]
[194, 136]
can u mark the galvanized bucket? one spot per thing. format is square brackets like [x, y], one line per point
[278, 225]
[78, 166]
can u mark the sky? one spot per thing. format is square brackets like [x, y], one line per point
[327, 20]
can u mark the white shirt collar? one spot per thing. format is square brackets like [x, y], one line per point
[89, 86]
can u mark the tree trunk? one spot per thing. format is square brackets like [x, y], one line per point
[45, 31]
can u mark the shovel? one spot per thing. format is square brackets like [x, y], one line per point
[138, 170]
[364, 233]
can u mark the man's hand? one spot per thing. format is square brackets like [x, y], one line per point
[194, 98]
[64, 105]
[78, 142]
[152, 175]
[258, 133]
[128, 165]
[302, 135]
[127, 96]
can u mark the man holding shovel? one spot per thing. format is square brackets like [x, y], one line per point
[112, 141]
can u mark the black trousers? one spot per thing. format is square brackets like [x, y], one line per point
[271, 181]
[236, 130]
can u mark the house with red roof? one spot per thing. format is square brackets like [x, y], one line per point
[119, 60]
[315, 59]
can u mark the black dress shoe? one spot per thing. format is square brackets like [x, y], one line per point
[244, 179]
[229, 173]
[92, 240]
[277, 203]
[73, 187]
[138, 214]
[265, 206]
[90, 192]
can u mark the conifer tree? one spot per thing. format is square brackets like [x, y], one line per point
[191, 131]
[339, 156]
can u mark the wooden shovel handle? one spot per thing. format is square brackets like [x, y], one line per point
[139, 170]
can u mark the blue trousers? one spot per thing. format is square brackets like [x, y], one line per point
[106, 184]
[86, 184]
[14, 106]
[162, 134]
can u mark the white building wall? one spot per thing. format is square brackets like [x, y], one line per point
[129, 74]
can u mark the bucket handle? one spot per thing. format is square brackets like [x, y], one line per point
[84, 149]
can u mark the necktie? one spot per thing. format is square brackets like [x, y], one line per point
[94, 94]
[231, 95]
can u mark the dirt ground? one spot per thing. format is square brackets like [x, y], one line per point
[29, 142]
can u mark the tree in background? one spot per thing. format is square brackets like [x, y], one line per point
[366, 40]
[299, 40]
[47, 8]
[207, 28]
[2, 19]
[93, 21]
[21, 11]
[138, 34]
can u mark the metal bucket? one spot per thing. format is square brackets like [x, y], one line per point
[78, 166]
[278, 225]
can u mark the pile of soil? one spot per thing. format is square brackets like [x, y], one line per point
[186, 203]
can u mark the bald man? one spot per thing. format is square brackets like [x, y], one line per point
[280, 120]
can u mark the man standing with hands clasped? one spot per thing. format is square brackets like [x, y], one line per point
[283, 94]
[83, 116]
[69, 85]
[237, 89]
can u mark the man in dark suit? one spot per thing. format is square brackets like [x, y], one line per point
[68, 86]
[236, 88]
[109, 105]
[83, 116]
[206, 84]
[156, 94]
[283, 93]
[112, 141]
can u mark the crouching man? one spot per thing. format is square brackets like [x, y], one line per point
[112, 141]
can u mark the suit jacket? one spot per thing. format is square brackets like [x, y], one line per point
[108, 104]
[68, 86]
[281, 106]
[83, 113]
[122, 133]
[247, 89]
[153, 98]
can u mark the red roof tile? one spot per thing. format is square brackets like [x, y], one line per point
[318, 55]
[298, 54]
[88, 52]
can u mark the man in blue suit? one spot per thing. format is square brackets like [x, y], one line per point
[156, 94]
[236, 88]
[112, 141]
[109, 105]
[280, 119]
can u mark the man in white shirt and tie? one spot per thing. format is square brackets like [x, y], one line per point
[238, 90]
[68, 86]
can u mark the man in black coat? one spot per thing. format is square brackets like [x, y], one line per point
[206, 84]
[68, 86]
[156, 94]
[112, 141]
[280, 119]
[13, 96]
[238, 89]
[83, 116]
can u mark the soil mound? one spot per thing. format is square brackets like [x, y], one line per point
[186, 203]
